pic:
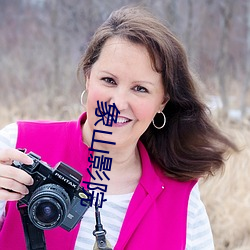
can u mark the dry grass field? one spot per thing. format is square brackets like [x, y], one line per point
[226, 196]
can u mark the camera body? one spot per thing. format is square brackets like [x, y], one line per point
[55, 198]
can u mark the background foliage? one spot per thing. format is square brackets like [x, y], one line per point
[41, 43]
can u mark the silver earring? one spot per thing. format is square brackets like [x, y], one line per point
[82, 96]
[164, 121]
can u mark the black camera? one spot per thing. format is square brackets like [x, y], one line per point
[55, 198]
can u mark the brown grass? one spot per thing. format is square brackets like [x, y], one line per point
[227, 197]
[49, 103]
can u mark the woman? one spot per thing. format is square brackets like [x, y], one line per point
[164, 142]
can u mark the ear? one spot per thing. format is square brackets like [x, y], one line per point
[164, 102]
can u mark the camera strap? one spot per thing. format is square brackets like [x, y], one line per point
[101, 242]
[34, 236]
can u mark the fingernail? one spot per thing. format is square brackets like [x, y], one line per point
[26, 191]
[31, 182]
[30, 161]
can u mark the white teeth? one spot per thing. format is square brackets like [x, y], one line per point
[121, 120]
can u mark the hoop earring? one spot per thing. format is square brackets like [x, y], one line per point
[164, 121]
[82, 96]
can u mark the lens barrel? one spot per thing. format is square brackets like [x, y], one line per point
[48, 206]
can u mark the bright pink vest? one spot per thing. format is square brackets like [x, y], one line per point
[157, 214]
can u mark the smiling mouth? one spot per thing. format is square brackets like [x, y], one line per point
[120, 120]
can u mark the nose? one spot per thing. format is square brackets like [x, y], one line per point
[120, 97]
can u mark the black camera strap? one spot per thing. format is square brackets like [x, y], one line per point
[101, 242]
[34, 236]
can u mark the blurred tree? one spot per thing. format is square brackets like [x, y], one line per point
[189, 30]
[246, 82]
[42, 41]
[55, 41]
[226, 11]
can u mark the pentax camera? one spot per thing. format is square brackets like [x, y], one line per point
[55, 198]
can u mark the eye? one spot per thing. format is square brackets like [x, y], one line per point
[108, 80]
[140, 89]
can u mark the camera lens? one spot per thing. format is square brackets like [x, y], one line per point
[48, 206]
[47, 212]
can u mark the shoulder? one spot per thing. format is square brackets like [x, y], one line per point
[44, 127]
[8, 136]
[8, 129]
[152, 171]
[42, 123]
[31, 125]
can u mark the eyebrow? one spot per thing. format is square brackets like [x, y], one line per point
[106, 72]
[142, 81]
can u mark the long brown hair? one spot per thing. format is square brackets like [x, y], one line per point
[189, 146]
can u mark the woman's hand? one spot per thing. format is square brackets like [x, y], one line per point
[13, 181]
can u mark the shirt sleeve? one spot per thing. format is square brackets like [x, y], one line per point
[199, 233]
[8, 139]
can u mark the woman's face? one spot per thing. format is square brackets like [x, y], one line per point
[123, 75]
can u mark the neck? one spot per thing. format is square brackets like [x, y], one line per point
[121, 155]
[126, 165]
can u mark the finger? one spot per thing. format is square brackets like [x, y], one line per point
[10, 154]
[16, 174]
[9, 196]
[13, 185]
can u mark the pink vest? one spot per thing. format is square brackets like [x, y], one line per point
[157, 214]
